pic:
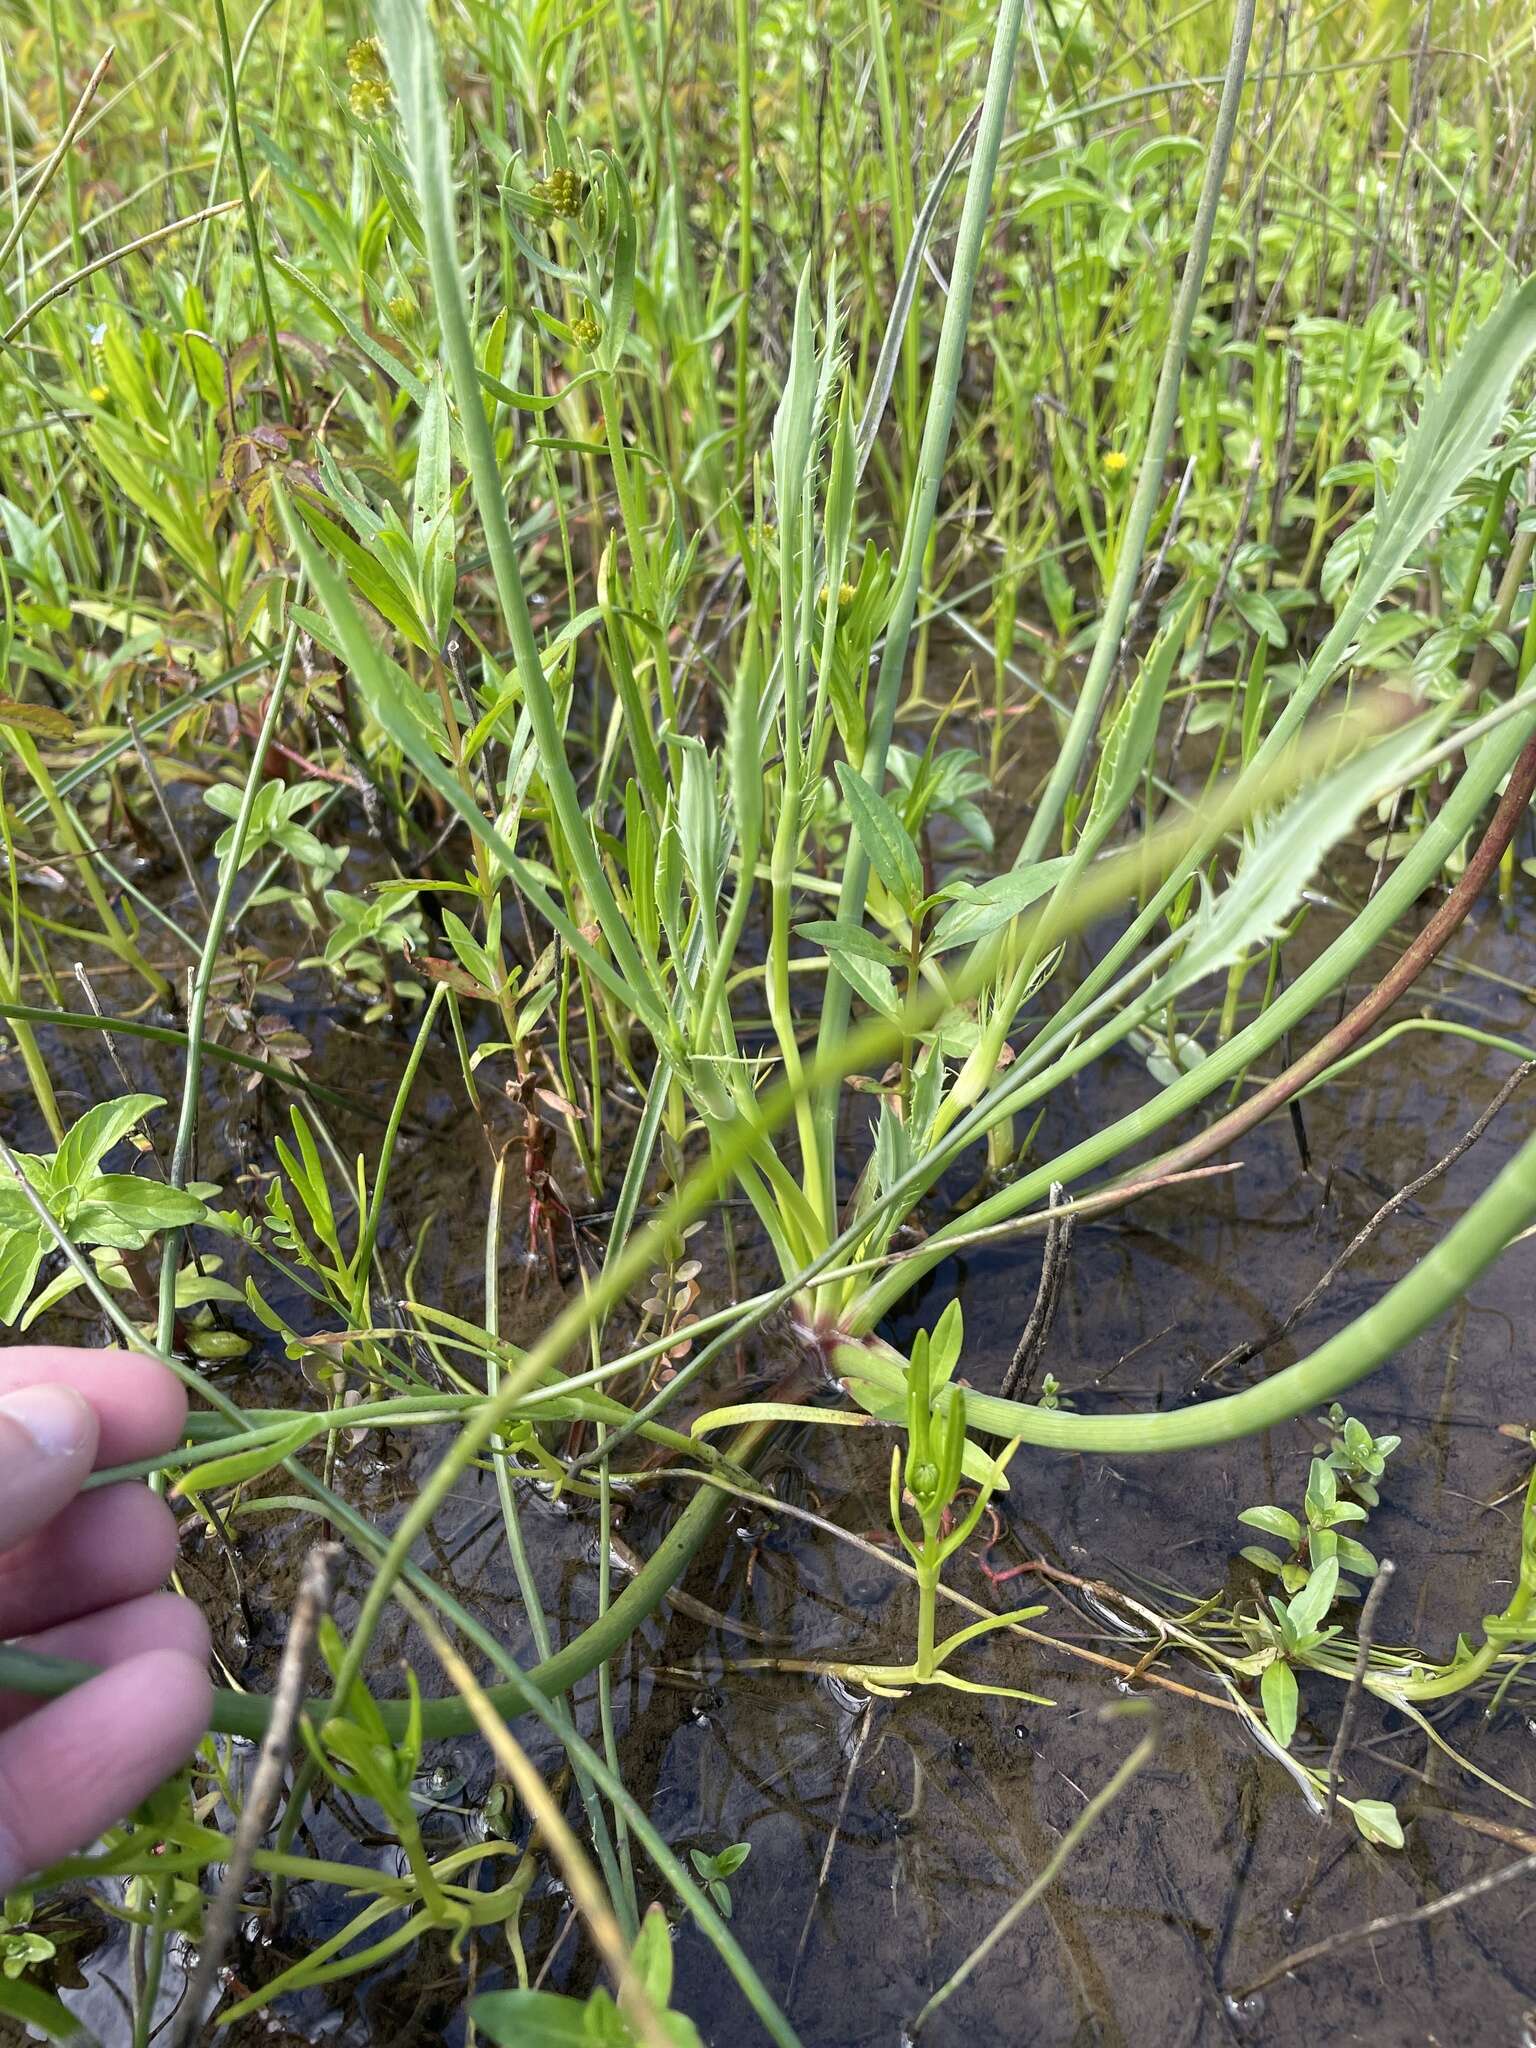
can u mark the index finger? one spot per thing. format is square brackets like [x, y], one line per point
[140, 1404]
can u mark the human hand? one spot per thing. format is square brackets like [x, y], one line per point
[78, 1574]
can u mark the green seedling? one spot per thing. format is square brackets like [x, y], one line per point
[715, 1872]
[274, 825]
[1321, 1532]
[520, 2019]
[118, 1212]
[22, 1948]
[928, 1475]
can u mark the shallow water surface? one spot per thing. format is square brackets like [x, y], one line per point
[887, 1837]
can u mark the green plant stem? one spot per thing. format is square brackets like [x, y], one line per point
[243, 1714]
[1044, 1068]
[742, 14]
[202, 984]
[927, 1594]
[167, 1034]
[1440, 1279]
[264, 290]
[112, 934]
[1101, 1801]
[527, 1584]
[948, 362]
[1515, 1621]
[413, 65]
[246, 1714]
[1149, 482]
[369, 1236]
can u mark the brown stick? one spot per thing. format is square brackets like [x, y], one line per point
[1495, 1830]
[1364, 1634]
[266, 1784]
[1241, 1353]
[1389, 1923]
[65, 284]
[1053, 1273]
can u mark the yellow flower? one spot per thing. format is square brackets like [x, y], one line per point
[368, 98]
[365, 59]
[1114, 462]
[99, 394]
[561, 192]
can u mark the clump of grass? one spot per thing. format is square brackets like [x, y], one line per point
[499, 501]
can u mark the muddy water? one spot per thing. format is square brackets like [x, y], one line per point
[888, 1838]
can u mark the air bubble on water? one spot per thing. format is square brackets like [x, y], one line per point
[1246, 2011]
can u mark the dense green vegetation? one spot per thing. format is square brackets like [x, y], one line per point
[695, 557]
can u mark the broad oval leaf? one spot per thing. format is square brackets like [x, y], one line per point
[1274, 1522]
[979, 909]
[531, 2019]
[1377, 1820]
[840, 937]
[1281, 1698]
[89, 1141]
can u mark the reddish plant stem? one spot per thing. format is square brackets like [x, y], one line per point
[1399, 978]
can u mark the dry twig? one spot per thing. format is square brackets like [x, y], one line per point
[266, 1783]
[1241, 1353]
[1390, 1923]
[1053, 1273]
[1367, 1629]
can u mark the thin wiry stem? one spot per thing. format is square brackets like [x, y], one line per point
[1364, 1637]
[67, 284]
[1084, 721]
[1101, 1801]
[947, 366]
[231, 95]
[45, 176]
[202, 985]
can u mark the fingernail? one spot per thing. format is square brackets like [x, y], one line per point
[55, 1418]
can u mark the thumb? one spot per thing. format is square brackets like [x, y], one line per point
[47, 1446]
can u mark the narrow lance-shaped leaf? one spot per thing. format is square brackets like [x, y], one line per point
[980, 908]
[1450, 438]
[412, 57]
[884, 838]
[377, 680]
[1132, 735]
[1281, 857]
[242, 1466]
